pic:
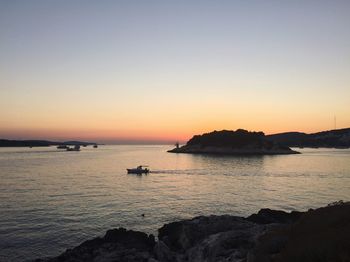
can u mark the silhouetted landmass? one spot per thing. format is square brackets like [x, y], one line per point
[232, 142]
[236, 139]
[40, 143]
[317, 235]
[339, 138]
[24, 143]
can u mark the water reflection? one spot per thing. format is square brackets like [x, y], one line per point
[51, 199]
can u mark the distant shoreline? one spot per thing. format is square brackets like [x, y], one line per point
[41, 143]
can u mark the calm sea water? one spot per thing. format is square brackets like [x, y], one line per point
[52, 200]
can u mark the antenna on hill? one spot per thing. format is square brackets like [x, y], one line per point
[335, 122]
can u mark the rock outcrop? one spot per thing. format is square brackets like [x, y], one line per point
[213, 238]
[268, 216]
[268, 236]
[319, 235]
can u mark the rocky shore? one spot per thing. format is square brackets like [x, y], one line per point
[322, 234]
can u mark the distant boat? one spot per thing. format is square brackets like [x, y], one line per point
[138, 170]
[95, 146]
[75, 148]
[62, 147]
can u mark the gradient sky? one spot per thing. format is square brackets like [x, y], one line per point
[165, 70]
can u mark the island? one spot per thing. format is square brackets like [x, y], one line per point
[315, 235]
[239, 142]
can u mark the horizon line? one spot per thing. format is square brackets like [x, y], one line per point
[137, 141]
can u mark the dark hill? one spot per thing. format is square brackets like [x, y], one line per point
[339, 138]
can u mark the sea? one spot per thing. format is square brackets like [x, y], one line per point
[51, 200]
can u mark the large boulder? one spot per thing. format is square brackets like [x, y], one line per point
[320, 235]
[212, 238]
[182, 235]
[268, 216]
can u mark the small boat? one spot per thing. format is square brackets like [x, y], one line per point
[75, 148]
[95, 146]
[138, 170]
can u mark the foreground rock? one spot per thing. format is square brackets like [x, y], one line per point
[117, 245]
[319, 235]
[239, 142]
[213, 238]
[268, 216]
[268, 236]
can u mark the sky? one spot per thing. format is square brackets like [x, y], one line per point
[166, 70]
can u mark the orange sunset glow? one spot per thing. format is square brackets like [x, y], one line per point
[168, 84]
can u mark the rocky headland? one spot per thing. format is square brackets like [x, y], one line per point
[322, 234]
[338, 138]
[239, 142]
